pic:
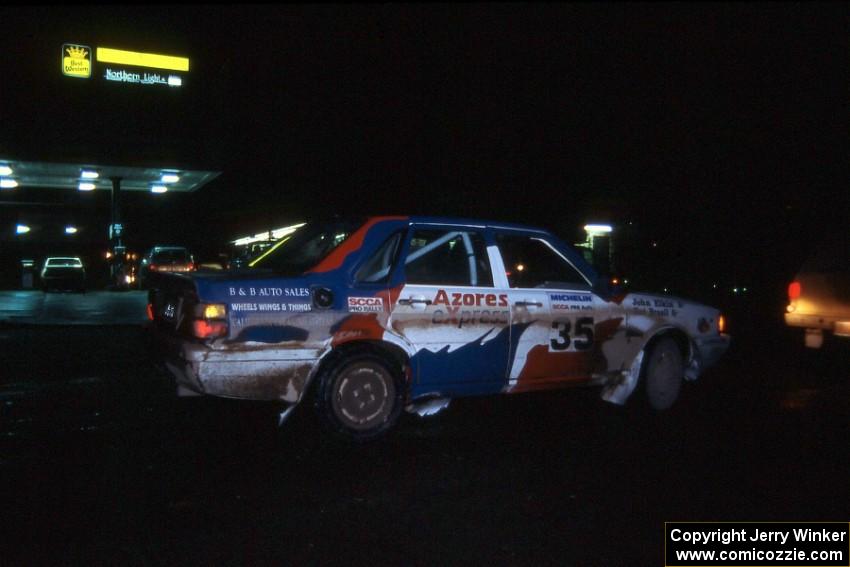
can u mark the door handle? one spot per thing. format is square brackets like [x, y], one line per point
[414, 301]
[528, 304]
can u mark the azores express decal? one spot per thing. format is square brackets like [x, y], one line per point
[461, 309]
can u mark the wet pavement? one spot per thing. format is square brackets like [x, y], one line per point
[101, 464]
[71, 308]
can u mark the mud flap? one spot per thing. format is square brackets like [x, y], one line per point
[428, 407]
[284, 415]
[619, 392]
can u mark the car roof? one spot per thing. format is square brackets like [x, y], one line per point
[472, 222]
[156, 249]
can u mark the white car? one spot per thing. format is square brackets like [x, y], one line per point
[63, 273]
[819, 296]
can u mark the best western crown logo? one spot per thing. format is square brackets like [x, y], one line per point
[76, 60]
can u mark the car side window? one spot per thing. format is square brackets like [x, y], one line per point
[531, 262]
[377, 268]
[448, 257]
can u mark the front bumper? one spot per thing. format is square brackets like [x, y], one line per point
[707, 352]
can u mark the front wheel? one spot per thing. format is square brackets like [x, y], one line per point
[360, 397]
[665, 370]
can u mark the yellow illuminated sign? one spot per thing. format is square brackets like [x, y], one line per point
[135, 58]
[76, 60]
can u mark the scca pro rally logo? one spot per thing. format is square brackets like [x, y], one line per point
[365, 304]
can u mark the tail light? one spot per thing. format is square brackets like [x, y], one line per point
[721, 323]
[150, 312]
[153, 267]
[210, 320]
[204, 329]
[794, 290]
[190, 266]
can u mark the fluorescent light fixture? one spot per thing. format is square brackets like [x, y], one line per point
[86, 186]
[70, 230]
[597, 228]
[275, 234]
[5, 170]
[175, 81]
[8, 183]
[22, 229]
[89, 174]
[169, 178]
[158, 188]
[153, 60]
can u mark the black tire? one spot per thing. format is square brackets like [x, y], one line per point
[664, 372]
[360, 396]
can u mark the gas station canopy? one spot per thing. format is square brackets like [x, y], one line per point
[71, 175]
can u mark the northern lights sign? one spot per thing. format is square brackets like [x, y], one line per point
[121, 66]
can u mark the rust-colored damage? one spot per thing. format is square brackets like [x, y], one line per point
[261, 380]
[542, 364]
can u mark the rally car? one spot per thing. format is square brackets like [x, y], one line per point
[374, 316]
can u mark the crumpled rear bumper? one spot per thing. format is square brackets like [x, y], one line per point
[270, 372]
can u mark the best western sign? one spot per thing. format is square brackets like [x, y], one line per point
[122, 66]
[76, 60]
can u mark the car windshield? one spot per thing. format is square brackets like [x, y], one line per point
[306, 247]
[171, 255]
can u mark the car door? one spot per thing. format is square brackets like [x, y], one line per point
[558, 321]
[451, 314]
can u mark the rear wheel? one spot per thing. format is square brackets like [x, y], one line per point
[360, 397]
[665, 370]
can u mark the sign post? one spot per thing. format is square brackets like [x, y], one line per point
[116, 231]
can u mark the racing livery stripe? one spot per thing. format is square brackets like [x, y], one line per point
[543, 367]
[365, 326]
[353, 243]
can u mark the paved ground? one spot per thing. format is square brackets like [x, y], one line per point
[69, 308]
[100, 464]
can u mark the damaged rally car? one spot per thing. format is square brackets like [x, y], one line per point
[374, 316]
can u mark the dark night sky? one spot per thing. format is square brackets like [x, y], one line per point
[719, 130]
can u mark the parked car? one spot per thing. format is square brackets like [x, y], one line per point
[393, 313]
[819, 296]
[63, 273]
[164, 259]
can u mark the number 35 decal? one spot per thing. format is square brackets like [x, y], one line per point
[564, 334]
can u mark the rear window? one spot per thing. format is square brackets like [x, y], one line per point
[171, 255]
[64, 262]
[830, 257]
[306, 247]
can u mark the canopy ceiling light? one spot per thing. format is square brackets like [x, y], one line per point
[70, 175]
